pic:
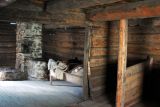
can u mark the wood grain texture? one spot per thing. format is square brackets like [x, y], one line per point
[64, 44]
[54, 6]
[140, 9]
[7, 44]
[122, 61]
[98, 61]
[134, 83]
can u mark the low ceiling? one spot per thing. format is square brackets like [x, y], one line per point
[60, 11]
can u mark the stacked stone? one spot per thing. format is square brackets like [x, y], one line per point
[29, 48]
[11, 74]
[29, 44]
[37, 70]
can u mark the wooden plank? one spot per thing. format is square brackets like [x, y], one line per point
[97, 81]
[140, 9]
[100, 61]
[134, 81]
[122, 60]
[98, 71]
[61, 19]
[55, 6]
[98, 91]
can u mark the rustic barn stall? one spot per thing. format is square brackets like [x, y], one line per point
[143, 41]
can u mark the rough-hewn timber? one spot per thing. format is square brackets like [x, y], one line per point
[141, 9]
[122, 61]
[54, 6]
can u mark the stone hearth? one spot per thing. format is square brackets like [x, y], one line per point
[7, 73]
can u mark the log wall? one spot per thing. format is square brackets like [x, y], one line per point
[98, 60]
[7, 44]
[63, 44]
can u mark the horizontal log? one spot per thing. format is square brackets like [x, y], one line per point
[144, 52]
[140, 9]
[63, 38]
[57, 44]
[95, 62]
[96, 92]
[97, 81]
[99, 32]
[65, 31]
[55, 6]
[7, 38]
[65, 50]
[62, 19]
[63, 55]
[98, 71]
[101, 52]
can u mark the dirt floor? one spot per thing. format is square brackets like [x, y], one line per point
[38, 94]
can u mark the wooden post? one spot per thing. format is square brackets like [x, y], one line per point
[86, 63]
[122, 60]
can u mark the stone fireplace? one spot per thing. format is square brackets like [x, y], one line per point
[29, 50]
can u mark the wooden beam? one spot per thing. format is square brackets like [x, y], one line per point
[141, 9]
[25, 5]
[58, 19]
[122, 60]
[59, 5]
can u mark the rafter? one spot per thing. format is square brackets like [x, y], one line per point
[141, 9]
[58, 19]
[59, 5]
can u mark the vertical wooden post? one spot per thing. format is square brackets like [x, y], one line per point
[86, 63]
[122, 60]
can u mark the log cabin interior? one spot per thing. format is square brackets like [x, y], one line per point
[79, 53]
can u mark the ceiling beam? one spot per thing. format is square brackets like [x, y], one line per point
[59, 5]
[65, 18]
[141, 9]
[24, 5]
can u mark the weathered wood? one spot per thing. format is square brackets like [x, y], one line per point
[98, 61]
[122, 60]
[98, 71]
[61, 19]
[86, 63]
[62, 43]
[134, 83]
[7, 44]
[143, 37]
[98, 81]
[24, 5]
[140, 9]
[54, 6]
